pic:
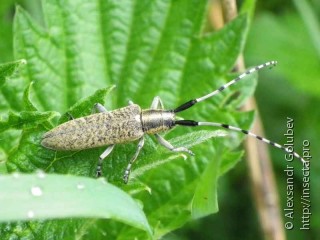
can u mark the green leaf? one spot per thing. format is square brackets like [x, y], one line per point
[8, 69]
[30, 143]
[311, 22]
[248, 7]
[205, 198]
[25, 119]
[86, 105]
[188, 140]
[28, 105]
[230, 161]
[278, 31]
[147, 48]
[35, 197]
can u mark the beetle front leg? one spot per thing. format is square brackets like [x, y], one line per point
[128, 169]
[169, 146]
[70, 116]
[101, 158]
[99, 108]
[157, 103]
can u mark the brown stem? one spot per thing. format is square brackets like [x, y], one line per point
[264, 189]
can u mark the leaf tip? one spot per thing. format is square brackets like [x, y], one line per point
[19, 9]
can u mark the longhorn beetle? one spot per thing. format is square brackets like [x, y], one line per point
[132, 123]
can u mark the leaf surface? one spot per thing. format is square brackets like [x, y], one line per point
[147, 49]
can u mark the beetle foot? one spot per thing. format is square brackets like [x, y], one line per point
[98, 172]
[126, 176]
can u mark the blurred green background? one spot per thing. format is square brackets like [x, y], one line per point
[286, 31]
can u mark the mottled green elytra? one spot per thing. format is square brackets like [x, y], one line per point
[131, 123]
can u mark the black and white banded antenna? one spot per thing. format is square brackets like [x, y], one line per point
[192, 123]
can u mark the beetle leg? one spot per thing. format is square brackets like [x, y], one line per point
[99, 108]
[169, 146]
[103, 156]
[70, 116]
[128, 169]
[157, 103]
[130, 102]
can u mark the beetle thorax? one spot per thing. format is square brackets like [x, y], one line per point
[156, 120]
